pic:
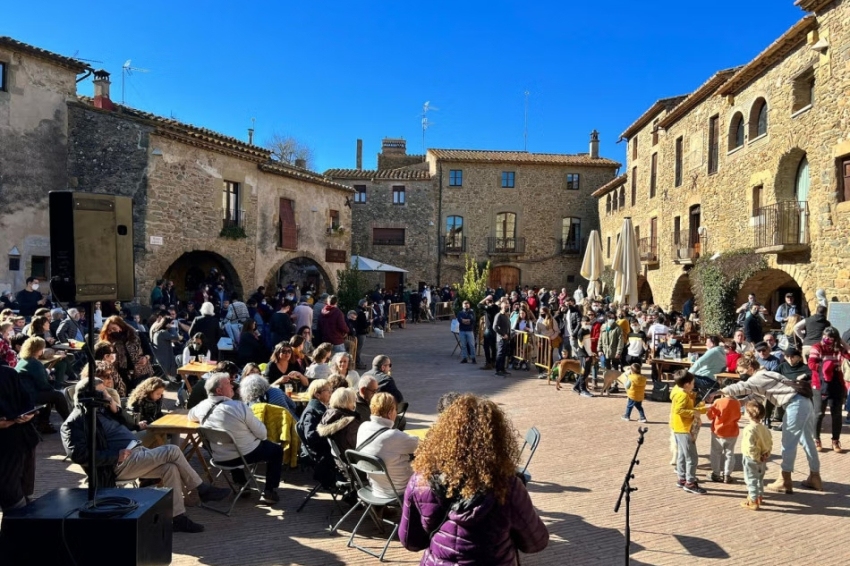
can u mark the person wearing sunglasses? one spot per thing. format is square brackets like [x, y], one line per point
[381, 370]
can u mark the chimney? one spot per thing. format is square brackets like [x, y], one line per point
[393, 146]
[359, 155]
[250, 136]
[302, 163]
[594, 144]
[101, 90]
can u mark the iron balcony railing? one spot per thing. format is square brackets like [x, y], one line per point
[648, 248]
[505, 246]
[232, 217]
[686, 245]
[572, 246]
[782, 224]
[452, 244]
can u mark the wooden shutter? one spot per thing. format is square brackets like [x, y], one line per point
[288, 229]
[845, 168]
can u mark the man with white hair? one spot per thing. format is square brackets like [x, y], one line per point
[69, 329]
[366, 389]
[220, 412]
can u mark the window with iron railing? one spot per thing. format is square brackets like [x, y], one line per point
[782, 224]
[230, 201]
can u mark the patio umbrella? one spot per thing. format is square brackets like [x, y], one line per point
[625, 265]
[591, 267]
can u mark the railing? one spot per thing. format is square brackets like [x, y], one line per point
[572, 246]
[444, 310]
[648, 248]
[287, 236]
[684, 248]
[452, 244]
[396, 315]
[782, 224]
[505, 246]
[232, 217]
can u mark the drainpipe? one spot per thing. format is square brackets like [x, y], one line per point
[439, 221]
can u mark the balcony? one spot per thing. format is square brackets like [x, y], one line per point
[648, 249]
[781, 228]
[572, 246]
[232, 217]
[496, 246]
[452, 244]
[686, 247]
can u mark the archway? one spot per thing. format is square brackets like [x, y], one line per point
[304, 271]
[787, 172]
[770, 287]
[644, 291]
[681, 292]
[192, 268]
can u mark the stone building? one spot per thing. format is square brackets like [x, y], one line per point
[529, 214]
[756, 157]
[200, 199]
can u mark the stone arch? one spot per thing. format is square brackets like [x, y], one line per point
[770, 286]
[681, 292]
[644, 291]
[303, 268]
[786, 174]
[191, 268]
[759, 105]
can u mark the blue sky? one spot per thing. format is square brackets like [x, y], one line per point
[331, 72]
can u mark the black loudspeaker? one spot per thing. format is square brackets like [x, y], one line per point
[50, 532]
[91, 246]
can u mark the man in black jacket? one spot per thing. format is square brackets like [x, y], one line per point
[490, 310]
[502, 328]
[381, 367]
[361, 329]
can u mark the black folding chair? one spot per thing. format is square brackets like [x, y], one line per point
[211, 437]
[532, 440]
[401, 410]
[347, 484]
[309, 459]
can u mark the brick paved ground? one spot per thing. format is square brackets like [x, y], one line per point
[576, 478]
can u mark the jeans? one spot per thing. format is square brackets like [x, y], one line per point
[490, 347]
[337, 348]
[632, 404]
[467, 345]
[754, 477]
[54, 398]
[501, 353]
[723, 454]
[832, 396]
[268, 452]
[686, 457]
[798, 427]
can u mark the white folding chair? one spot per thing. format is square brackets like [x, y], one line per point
[532, 440]
[212, 437]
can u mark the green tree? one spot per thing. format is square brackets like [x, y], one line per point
[716, 283]
[474, 285]
[351, 287]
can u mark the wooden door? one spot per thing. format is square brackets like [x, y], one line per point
[288, 229]
[392, 281]
[505, 275]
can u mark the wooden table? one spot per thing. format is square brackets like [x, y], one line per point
[78, 347]
[696, 348]
[302, 397]
[662, 363]
[195, 369]
[180, 424]
[724, 377]
[417, 432]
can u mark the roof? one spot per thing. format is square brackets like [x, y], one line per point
[487, 156]
[704, 91]
[776, 51]
[610, 186]
[302, 174]
[187, 133]
[812, 5]
[61, 60]
[663, 104]
[401, 173]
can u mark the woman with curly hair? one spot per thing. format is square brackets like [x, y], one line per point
[146, 400]
[132, 364]
[464, 503]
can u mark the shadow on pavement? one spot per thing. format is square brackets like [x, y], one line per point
[549, 487]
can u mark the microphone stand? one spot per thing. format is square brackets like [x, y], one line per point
[626, 490]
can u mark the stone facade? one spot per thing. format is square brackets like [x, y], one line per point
[776, 187]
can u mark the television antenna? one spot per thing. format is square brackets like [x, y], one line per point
[425, 122]
[74, 56]
[126, 71]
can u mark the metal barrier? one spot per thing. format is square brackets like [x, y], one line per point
[444, 310]
[520, 346]
[479, 338]
[397, 315]
[544, 354]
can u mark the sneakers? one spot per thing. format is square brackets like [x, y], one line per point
[680, 483]
[209, 492]
[624, 418]
[694, 488]
[728, 479]
[183, 524]
[269, 497]
[642, 420]
[586, 394]
[718, 478]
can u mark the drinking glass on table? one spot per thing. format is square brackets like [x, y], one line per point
[288, 388]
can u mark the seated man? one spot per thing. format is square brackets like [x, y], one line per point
[366, 389]
[712, 362]
[118, 462]
[381, 366]
[220, 412]
[765, 358]
[377, 437]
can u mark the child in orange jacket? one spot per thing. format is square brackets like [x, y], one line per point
[724, 415]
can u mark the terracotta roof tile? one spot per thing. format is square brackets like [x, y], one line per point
[487, 156]
[660, 105]
[302, 175]
[776, 51]
[812, 5]
[61, 60]
[704, 91]
[610, 186]
[402, 173]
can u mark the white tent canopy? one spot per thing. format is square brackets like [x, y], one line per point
[591, 267]
[366, 264]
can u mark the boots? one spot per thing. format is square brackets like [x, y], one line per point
[752, 505]
[813, 482]
[782, 484]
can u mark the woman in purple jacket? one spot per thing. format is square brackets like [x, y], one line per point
[464, 503]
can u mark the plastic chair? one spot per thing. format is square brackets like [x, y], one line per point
[211, 437]
[532, 440]
[372, 466]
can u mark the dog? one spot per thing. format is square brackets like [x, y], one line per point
[565, 366]
[377, 333]
[610, 377]
[696, 425]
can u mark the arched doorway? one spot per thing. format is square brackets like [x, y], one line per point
[681, 292]
[644, 291]
[192, 268]
[507, 276]
[770, 287]
[303, 271]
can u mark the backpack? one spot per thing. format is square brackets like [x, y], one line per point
[660, 392]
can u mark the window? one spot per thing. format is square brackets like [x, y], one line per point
[456, 177]
[622, 197]
[230, 201]
[653, 174]
[506, 230]
[634, 147]
[677, 228]
[634, 185]
[571, 234]
[15, 263]
[758, 119]
[2, 76]
[757, 199]
[388, 236]
[736, 131]
[507, 179]
[608, 204]
[288, 238]
[655, 133]
[398, 194]
[803, 92]
[333, 219]
[360, 193]
[844, 179]
[614, 201]
[454, 233]
[713, 153]
[680, 142]
[608, 248]
[40, 267]
[572, 181]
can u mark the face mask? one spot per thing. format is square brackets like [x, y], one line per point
[828, 341]
[35, 287]
[673, 341]
[115, 334]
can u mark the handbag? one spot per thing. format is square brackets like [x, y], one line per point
[556, 342]
[660, 392]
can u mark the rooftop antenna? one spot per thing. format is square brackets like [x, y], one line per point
[126, 71]
[74, 56]
[525, 128]
[425, 123]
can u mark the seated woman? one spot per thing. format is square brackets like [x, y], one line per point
[307, 427]
[104, 359]
[465, 503]
[250, 369]
[146, 400]
[37, 383]
[251, 348]
[392, 446]
[113, 410]
[196, 348]
[320, 369]
[40, 327]
[341, 364]
[299, 360]
[307, 334]
[255, 388]
[279, 366]
[341, 422]
[162, 344]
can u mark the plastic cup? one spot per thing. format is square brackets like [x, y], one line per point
[72, 343]
[288, 388]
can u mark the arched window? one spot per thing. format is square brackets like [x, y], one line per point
[614, 201]
[454, 233]
[622, 197]
[608, 204]
[758, 119]
[801, 186]
[736, 131]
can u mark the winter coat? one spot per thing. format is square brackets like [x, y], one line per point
[610, 342]
[392, 446]
[332, 325]
[386, 383]
[340, 425]
[324, 468]
[209, 327]
[468, 532]
[112, 437]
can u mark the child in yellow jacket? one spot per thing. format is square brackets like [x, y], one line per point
[682, 414]
[756, 447]
[635, 391]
